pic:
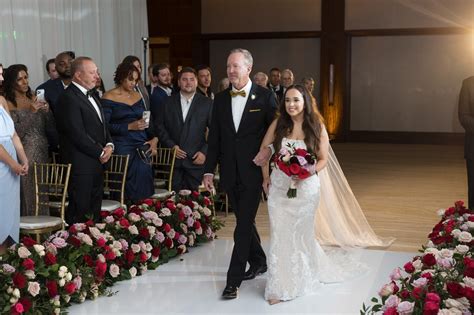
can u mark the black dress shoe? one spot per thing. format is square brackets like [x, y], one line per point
[253, 272]
[230, 292]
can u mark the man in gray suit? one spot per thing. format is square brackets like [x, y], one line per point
[466, 117]
[182, 124]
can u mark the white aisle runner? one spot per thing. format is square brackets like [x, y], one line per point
[193, 284]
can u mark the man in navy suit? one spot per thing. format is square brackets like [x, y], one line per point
[182, 124]
[85, 141]
[240, 117]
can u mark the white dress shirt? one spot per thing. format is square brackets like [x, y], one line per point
[238, 104]
[186, 104]
[90, 98]
[166, 89]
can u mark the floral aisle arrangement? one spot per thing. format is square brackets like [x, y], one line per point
[83, 261]
[441, 279]
[296, 163]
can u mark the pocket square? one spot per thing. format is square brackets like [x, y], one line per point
[254, 110]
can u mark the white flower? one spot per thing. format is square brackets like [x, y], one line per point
[465, 237]
[392, 301]
[430, 244]
[133, 272]
[151, 230]
[117, 245]
[462, 249]
[16, 293]
[148, 247]
[150, 215]
[191, 240]
[187, 211]
[464, 227]
[440, 212]
[165, 212]
[8, 268]
[457, 304]
[86, 239]
[62, 282]
[450, 311]
[190, 221]
[417, 264]
[78, 282]
[142, 246]
[455, 232]
[23, 252]
[133, 229]
[114, 270]
[433, 251]
[470, 224]
[160, 237]
[135, 248]
[196, 215]
[445, 262]
[420, 282]
[184, 227]
[396, 274]
[39, 249]
[101, 258]
[386, 290]
[143, 268]
[185, 192]
[57, 310]
[469, 282]
[33, 288]
[199, 231]
[95, 232]
[207, 211]
[134, 217]
[109, 219]
[13, 300]
[446, 253]
[30, 274]
[171, 234]
[405, 308]
[68, 276]
[100, 226]
[158, 222]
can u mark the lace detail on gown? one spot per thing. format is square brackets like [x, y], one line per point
[297, 264]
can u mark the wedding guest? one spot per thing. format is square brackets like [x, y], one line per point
[123, 111]
[51, 69]
[85, 141]
[287, 79]
[204, 81]
[161, 92]
[32, 120]
[275, 82]
[308, 83]
[223, 85]
[153, 80]
[13, 163]
[182, 125]
[261, 79]
[99, 86]
[466, 117]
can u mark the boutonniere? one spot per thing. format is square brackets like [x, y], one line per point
[252, 96]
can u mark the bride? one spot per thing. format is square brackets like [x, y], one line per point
[297, 265]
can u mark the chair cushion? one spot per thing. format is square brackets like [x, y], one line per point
[161, 194]
[39, 222]
[160, 183]
[110, 205]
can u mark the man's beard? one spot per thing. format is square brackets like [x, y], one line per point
[64, 75]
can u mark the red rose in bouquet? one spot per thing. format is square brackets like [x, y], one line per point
[49, 259]
[296, 163]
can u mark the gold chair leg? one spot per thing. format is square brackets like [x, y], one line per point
[38, 238]
[226, 205]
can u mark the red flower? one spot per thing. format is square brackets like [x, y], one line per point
[157, 204]
[104, 214]
[17, 308]
[74, 241]
[432, 297]
[168, 242]
[52, 288]
[110, 255]
[301, 152]
[405, 294]
[70, 288]
[124, 223]
[195, 194]
[207, 201]
[155, 252]
[454, 289]
[19, 280]
[129, 256]
[417, 292]
[409, 268]
[26, 304]
[295, 169]
[100, 242]
[100, 269]
[88, 260]
[170, 205]
[469, 294]
[391, 311]
[144, 233]
[284, 168]
[143, 257]
[72, 229]
[471, 218]
[429, 260]
[427, 275]
[449, 211]
[28, 264]
[90, 222]
[176, 235]
[430, 308]
[28, 241]
[148, 202]
[118, 212]
[181, 216]
[167, 228]
[303, 174]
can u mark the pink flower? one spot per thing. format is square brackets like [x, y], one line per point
[59, 242]
[405, 308]
[420, 282]
[33, 288]
[386, 289]
[114, 270]
[182, 239]
[18, 307]
[392, 301]
[396, 274]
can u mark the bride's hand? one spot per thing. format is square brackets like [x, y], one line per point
[266, 185]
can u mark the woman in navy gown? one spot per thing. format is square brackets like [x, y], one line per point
[123, 110]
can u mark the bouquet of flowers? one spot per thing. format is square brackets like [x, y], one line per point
[297, 163]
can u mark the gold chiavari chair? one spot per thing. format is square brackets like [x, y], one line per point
[115, 177]
[163, 164]
[51, 181]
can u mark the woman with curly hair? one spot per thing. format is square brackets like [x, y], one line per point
[124, 112]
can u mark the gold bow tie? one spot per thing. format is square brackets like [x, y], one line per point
[235, 93]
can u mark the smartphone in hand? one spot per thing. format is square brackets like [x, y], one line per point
[146, 116]
[40, 95]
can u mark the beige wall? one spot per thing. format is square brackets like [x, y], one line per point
[251, 16]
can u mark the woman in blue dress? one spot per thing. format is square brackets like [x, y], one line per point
[124, 112]
[11, 152]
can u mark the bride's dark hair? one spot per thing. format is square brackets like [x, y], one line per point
[312, 121]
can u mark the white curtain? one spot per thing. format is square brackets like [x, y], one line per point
[33, 31]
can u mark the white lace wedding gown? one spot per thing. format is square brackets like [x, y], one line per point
[297, 265]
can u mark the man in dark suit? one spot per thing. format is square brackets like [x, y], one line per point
[274, 83]
[241, 116]
[85, 141]
[160, 92]
[466, 117]
[183, 122]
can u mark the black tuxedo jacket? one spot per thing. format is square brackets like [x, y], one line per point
[234, 149]
[466, 115]
[189, 135]
[82, 134]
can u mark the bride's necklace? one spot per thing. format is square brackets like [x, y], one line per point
[126, 93]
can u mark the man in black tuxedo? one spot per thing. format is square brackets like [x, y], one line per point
[183, 122]
[466, 117]
[85, 141]
[274, 83]
[241, 116]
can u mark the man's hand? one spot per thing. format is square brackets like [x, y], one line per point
[107, 152]
[262, 156]
[153, 146]
[208, 181]
[199, 158]
[180, 154]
